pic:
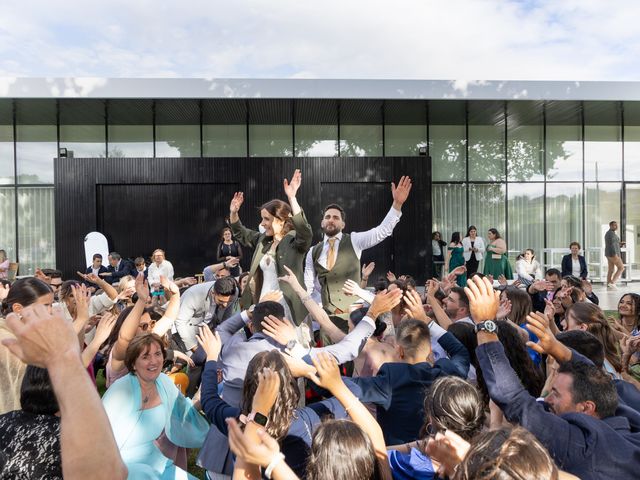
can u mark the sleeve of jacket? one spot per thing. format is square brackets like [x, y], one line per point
[584, 272]
[188, 308]
[458, 354]
[566, 265]
[564, 440]
[304, 233]
[216, 409]
[248, 238]
[230, 326]
[347, 349]
[378, 389]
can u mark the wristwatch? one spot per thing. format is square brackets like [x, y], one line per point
[258, 418]
[488, 326]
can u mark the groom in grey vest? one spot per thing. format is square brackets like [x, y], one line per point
[336, 258]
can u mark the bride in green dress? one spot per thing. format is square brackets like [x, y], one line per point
[455, 258]
[496, 262]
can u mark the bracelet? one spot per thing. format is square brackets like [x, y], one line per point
[278, 457]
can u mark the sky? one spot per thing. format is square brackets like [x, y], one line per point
[372, 39]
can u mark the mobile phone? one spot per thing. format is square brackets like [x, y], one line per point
[158, 292]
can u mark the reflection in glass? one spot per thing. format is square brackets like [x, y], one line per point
[449, 203]
[564, 152]
[524, 153]
[487, 208]
[36, 229]
[8, 222]
[564, 214]
[177, 140]
[632, 152]
[6, 155]
[85, 141]
[316, 140]
[447, 145]
[602, 153]
[133, 141]
[602, 204]
[270, 141]
[361, 140]
[632, 197]
[404, 140]
[486, 152]
[36, 147]
[526, 218]
[224, 140]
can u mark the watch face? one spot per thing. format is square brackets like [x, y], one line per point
[490, 326]
[260, 419]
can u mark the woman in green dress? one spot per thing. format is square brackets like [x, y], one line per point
[455, 258]
[496, 262]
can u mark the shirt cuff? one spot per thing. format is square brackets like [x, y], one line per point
[370, 321]
[436, 330]
[245, 316]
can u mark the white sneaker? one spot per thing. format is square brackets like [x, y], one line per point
[611, 285]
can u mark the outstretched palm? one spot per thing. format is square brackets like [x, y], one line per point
[236, 202]
[401, 192]
[291, 188]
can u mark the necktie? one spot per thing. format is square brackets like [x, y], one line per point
[331, 255]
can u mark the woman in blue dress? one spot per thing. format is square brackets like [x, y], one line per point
[455, 258]
[143, 404]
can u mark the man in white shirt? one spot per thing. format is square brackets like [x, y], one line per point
[160, 266]
[337, 258]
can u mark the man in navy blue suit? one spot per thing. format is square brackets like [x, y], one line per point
[96, 268]
[118, 268]
[577, 423]
[398, 388]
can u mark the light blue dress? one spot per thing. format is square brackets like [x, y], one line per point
[135, 430]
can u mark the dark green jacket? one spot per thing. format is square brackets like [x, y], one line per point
[291, 251]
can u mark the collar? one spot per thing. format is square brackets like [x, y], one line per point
[337, 237]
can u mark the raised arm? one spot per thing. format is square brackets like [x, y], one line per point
[48, 341]
[106, 287]
[241, 233]
[103, 330]
[441, 316]
[129, 327]
[163, 325]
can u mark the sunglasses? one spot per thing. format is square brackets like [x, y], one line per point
[146, 326]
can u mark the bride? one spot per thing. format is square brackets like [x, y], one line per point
[286, 239]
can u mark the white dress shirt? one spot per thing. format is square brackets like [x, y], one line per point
[360, 241]
[477, 243]
[154, 271]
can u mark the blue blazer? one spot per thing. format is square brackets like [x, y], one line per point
[89, 269]
[125, 268]
[567, 266]
[585, 446]
[398, 390]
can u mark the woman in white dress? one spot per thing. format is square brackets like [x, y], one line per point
[474, 248]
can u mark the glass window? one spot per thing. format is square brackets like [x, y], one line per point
[36, 229]
[525, 156]
[449, 209]
[36, 147]
[602, 203]
[564, 214]
[447, 147]
[6, 155]
[8, 222]
[487, 208]
[270, 140]
[486, 152]
[177, 140]
[602, 152]
[632, 236]
[564, 152]
[404, 140]
[85, 141]
[224, 140]
[632, 152]
[316, 140]
[526, 218]
[133, 141]
[361, 140]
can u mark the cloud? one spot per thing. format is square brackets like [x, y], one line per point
[408, 39]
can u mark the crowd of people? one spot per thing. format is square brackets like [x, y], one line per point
[305, 367]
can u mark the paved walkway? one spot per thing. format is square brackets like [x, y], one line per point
[609, 297]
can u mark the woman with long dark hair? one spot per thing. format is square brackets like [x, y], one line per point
[496, 262]
[229, 249]
[474, 249]
[455, 258]
[286, 239]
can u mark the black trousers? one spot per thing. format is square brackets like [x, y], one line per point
[472, 264]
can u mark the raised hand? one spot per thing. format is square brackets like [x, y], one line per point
[280, 330]
[82, 296]
[272, 296]
[367, 269]
[142, 288]
[449, 450]
[40, 275]
[401, 192]
[586, 286]
[236, 202]
[291, 188]
[327, 372]
[299, 368]
[42, 338]
[502, 280]
[169, 285]
[91, 277]
[504, 309]
[178, 355]
[549, 309]
[210, 342]
[349, 287]
[4, 291]
[267, 391]
[483, 299]
[232, 261]
[384, 302]
[104, 328]
[248, 450]
[538, 324]
[290, 278]
[456, 272]
[414, 308]
[432, 287]
[391, 276]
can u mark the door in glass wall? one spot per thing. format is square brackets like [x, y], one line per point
[632, 198]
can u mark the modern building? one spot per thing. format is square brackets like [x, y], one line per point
[546, 163]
